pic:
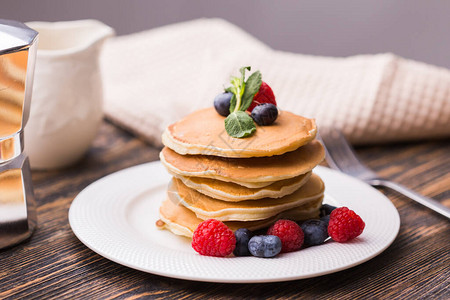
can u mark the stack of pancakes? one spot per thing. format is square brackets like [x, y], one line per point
[249, 182]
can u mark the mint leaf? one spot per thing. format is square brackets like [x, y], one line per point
[236, 82]
[233, 103]
[237, 90]
[242, 70]
[230, 89]
[239, 124]
[251, 88]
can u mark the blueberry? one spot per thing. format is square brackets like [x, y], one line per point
[316, 232]
[222, 103]
[243, 236]
[326, 219]
[265, 114]
[326, 209]
[264, 245]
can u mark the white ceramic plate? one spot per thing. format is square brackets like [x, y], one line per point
[115, 217]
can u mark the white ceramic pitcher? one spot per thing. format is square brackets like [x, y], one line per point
[66, 106]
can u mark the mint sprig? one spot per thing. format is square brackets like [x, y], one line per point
[239, 124]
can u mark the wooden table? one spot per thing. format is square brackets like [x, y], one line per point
[55, 264]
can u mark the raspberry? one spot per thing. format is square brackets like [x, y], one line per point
[290, 234]
[345, 225]
[213, 238]
[264, 95]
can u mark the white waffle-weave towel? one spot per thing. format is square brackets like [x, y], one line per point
[154, 78]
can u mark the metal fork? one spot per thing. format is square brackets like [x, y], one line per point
[341, 156]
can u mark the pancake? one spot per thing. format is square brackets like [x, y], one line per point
[206, 207]
[250, 185]
[228, 191]
[182, 221]
[203, 132]
[250, 172]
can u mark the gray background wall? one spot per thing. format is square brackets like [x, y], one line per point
[414, 29]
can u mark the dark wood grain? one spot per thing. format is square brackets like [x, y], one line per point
[53, 263]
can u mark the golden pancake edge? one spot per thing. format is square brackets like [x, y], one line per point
[250, 172]
[203, 133]
[206, 207]
[182, 221]
[228, 191]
